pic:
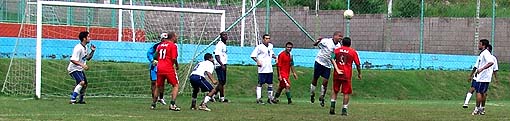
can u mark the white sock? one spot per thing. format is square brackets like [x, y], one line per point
[259, 93]
[345, 106]
[332, 100]
[323, 90]
[77, 89]
[270, 94]
[270, 91]
[312, 89]
[206, 99]
[468, 97]
[222, 98]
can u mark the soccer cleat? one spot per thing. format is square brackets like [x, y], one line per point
[344, 111]
[162, 101]
[269, 101]
[225, 101]
[332, 111]
[204, 108]
[475, 112]
[289, 101]
[72, 102]
[153, 106]
[260, 101]
[174, 108]
[275, 101]
[465, 106]
[82, 102]
[193, 106]
[481, 111]
[312, 98]
[321, 99]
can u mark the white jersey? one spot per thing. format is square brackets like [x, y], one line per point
[203, 67]
[264, 55]
[221, 50]
[486, 75]
[326, 46]
[79, 54]
[495, 66]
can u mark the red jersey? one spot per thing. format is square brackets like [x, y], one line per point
[344, 57]
[284, 63]
[167, 52]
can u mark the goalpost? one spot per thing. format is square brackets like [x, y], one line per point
[54, 41]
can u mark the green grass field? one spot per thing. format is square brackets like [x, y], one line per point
[380, 95]
[243, 108]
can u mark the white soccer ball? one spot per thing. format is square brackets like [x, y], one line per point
[348, 14]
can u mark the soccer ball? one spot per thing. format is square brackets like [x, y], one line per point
[348, 14]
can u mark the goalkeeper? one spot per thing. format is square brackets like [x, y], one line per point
[153, 68]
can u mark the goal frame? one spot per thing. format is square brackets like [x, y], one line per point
[40, 3]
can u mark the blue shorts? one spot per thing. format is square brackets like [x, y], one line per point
[200, 82]
[320, 70]
[79, 76]
[152, 73]
[474, 84]
[265, 78]
[482, 87]
[222, 74]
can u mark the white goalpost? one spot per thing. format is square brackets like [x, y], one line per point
[39, 26]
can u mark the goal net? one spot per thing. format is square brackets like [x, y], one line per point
[122, 34]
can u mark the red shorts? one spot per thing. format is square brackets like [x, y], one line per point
[285, 82]
[345, 84]
[170, 78]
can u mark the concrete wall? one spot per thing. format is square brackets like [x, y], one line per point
[136, 52]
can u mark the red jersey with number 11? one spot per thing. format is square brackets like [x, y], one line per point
[344, 57]
[166, 52]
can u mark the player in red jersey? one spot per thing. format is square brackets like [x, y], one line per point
[284, 66]
[166, 56]
[342, 62]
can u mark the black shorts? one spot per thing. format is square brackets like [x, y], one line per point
[320, 70]
[222, 74]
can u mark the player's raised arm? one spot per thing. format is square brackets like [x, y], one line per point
[91, 54]
[317, 42]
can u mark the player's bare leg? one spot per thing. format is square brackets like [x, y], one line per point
[313, 85]
[482, 104]
[82, 94]
[76, 92]
[221, 89]
[289, 97]
[333, 102]
[155, 96]
[324, 87]
[277, 94]
[345, 104]
[175, 91]
[478, 102]
[153, 88]
[194, 96]
[204, 106]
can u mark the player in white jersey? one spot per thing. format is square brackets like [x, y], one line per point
[221, 69]
[77, 66]
[483, 75]
[198, 81]
[471, 90]
[322, 66]
[262, 55]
